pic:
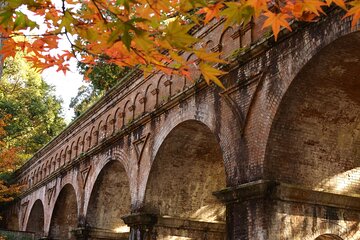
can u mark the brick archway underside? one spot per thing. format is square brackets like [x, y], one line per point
[65, 215]
[315, 136]
[36, 219]
[314, 141]
[187, 169]
[110, 198]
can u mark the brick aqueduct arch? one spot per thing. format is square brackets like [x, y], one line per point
[275, 156]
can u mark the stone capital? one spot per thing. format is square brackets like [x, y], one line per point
[140, 219]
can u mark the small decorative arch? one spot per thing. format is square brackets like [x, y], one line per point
[101, 131]
[84, 142]
[60, 158]
[42, 171]
[35, 177]
[193, 69]
[229, 35]
[118, 119]
[88, 139]
[127, 117]
[110, 124]
[164, 87]
[48, 168]
[150, 98]
[93, 137]
[71, 151]
[54, 161]
[66, 155]
[78, 147]
[138, 104]
[210, 46]
[31, 180]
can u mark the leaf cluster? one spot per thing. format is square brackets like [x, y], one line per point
[151, 34]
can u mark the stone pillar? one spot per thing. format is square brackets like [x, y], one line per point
[247, 210]
[81, 233]
[264, 209]
[141, 225]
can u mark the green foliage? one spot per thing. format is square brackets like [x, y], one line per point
[36, 115]
[102, 77]
[85, 97]
[15, 235]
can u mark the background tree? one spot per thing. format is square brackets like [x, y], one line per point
[8, 163]
[102, 78]
[35, 113]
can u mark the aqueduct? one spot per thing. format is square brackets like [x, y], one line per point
[274, 156]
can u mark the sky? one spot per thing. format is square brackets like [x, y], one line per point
[66, 86]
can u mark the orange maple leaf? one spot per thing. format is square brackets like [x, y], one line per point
[276, 21]
[340, 3]
[9, 48]
[258, 5]
[354, 11]
[314, 6]
[211, 11]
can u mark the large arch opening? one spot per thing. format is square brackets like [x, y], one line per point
[110, 199]
[35, 222]
[187, 169]
[314, 140]
[315, 136]
[65, 214]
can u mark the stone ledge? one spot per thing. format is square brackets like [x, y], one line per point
[99, 233]
[140, 219]
[154, 221]
[190, 224]
[272, 190]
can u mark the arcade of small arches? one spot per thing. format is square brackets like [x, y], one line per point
[275, 156]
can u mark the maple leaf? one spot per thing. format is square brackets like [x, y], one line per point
[340, 3]
[211, 11]
[64, 68]
[177, 35]
[258, 5]
[67, 55]
[9, 48]
[354, 11]
[313, 6]
[276, 21]
[143, 41]
[211, 74]
[176, 57]
[209, 57]
[237, 12]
